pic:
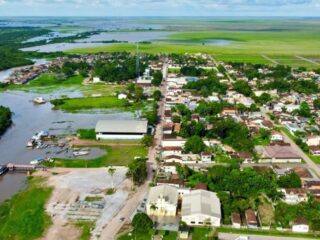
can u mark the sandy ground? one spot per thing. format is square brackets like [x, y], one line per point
[71, 185]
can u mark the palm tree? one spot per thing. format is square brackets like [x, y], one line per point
[153, 208]
[111, 171]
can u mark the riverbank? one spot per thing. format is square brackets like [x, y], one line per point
[23, 216]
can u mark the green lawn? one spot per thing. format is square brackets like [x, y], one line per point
[146, 236]
[201, 233]
[115, 156]
[85, 227]
[268, 233]
[87, 103]
[52, 79]
[23, 217]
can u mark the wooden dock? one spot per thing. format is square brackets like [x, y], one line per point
[24, 167]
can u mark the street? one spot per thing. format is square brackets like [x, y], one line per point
[111, 230]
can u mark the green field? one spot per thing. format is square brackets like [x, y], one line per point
[115, 156]
[143, 236]
[23, 217]
[246, 46]
[88, 103]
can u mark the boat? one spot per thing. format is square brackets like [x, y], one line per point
[39, 100]
[80, 153]
[37, 161]
[31, 143]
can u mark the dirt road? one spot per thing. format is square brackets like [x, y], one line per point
[111, 230]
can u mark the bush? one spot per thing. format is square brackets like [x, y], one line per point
[87, 134]
[141, 222]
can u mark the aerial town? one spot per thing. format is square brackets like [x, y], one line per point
[159, 120]
[230, 147]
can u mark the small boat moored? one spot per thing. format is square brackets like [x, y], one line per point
[39, 100]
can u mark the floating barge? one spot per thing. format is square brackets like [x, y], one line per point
[3, 170]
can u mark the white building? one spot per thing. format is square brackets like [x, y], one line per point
[300, 225]
[121, 129]
[201, 208]
[165, 200]
[313, 140]
[276, 136]
[294, 195]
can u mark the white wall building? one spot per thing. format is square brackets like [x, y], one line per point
[165, 200]
[201, 208]
[121, 129]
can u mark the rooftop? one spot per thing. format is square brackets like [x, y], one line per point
[122, 126]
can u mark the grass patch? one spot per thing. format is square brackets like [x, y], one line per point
[87, 103]
[266, 211]
[267, 233]
[202, 233]
[86, 229]
[110, 191]
[89, 134]
[51, 79]
[23, 216]
[116, 156]
[93, 199]
[167, 235]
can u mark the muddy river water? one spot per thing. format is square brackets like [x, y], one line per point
[28, 119]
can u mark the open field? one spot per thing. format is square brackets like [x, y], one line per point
[142, 236]
[243, 46]
[23, 216]
[115, 156]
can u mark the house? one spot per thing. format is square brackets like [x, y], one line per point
[173, 159]
[251, 219]
[278, 154]
[206, 157]
[162, 201]
[171, 150]
[230, 111]
[201, 208]
[170, 167]
[303, 173]
[312, 185]
[300, 225]
[313, 140]
[315, 150]
[246, 156]
[122, 96]
[121, 129]
[236, 220]
[292, 128]
[276, 136]
[294, 195]
[96, 80]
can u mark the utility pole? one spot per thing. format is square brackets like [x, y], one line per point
[137, 61]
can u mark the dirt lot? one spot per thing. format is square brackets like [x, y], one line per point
[71, 187]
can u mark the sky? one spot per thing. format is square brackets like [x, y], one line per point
[160, 8]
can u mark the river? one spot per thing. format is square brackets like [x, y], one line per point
[28, 119]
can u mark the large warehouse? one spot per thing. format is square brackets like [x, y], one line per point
[121, 129]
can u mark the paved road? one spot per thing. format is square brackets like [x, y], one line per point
[269, 59]
[230, 236]
[310, 163]
[111, 230]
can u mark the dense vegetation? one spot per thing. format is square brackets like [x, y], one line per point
[5, 119]
[207, 86]
[138, 170]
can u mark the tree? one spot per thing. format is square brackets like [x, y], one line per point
[141, 222]
[5, 119]
[147, 140]
[316, 103]
[111, 172]
[304, 110]
[242, 87]
[137, 170]
[195, 145]
[157, 78]
[176, 119]
[157, 95]
[153, 208]
[291, 180]
[138, 93]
